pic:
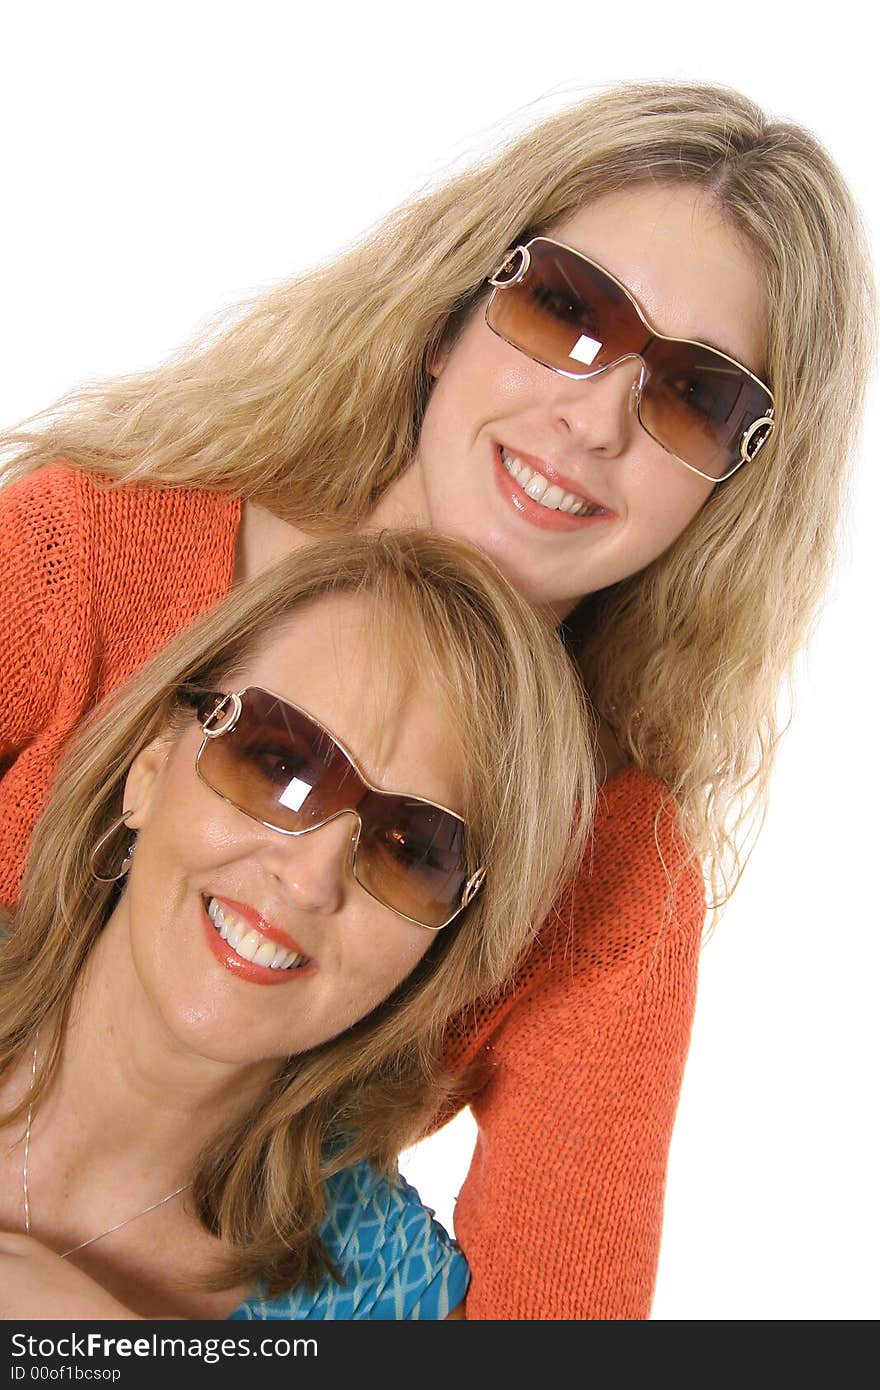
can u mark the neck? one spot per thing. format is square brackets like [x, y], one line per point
[264, 538]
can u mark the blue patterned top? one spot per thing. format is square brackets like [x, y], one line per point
[396, 1260]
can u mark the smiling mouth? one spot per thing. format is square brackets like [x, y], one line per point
[248, 943]
[548, 495]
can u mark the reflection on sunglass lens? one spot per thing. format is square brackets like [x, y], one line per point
[698, 404]
[566, 313]
[278, 766]
[414, 851]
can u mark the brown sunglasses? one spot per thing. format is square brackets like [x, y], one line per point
[569, 314]
[278, 765]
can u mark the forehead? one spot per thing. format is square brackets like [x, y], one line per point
[694, 275]
[333, 658]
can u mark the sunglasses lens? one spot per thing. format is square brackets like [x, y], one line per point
[279, 767]
[699, 405]
[411, 855]
[566, 313]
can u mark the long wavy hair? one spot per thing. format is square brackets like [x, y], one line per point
[442, 614]
[311, 401]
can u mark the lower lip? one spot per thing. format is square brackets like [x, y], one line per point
[246, 969]
[532, 511]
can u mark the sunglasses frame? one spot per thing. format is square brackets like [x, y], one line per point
[766, 422]
[226, 720]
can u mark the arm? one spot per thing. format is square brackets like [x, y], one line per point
[47, 640]
[39, 540]
[36, 1283]
[560, 1215]
[95, 580]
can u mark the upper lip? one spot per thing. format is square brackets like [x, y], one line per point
[555, 475]
[260, 923]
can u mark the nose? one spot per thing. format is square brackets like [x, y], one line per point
[601, 410]
[315, 868]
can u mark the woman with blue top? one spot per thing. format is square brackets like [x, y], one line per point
[323, 820]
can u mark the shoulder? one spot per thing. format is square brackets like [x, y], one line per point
[630, 923]
[41, 558]
[40, 516]
[141, 561]
[70, 507]
[96, 577]
[152, 531]
[159, 557]
[395, 1260]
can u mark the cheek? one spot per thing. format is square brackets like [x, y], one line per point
[189, 835]
[381, 958]
[189, 826]
[669, 497]
[481, 378]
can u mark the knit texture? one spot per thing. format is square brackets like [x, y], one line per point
[95, 580]
[573, 1075]
[577, 1077]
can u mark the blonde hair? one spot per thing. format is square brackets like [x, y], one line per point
[312, 402]
[497, 668]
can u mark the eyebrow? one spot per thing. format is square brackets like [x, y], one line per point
[702, 342]
[680, 338]
[725, 351]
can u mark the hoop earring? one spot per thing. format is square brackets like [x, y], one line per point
[98, 846]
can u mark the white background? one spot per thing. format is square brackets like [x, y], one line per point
[161, 161]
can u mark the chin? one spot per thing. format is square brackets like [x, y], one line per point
[220, 1037]
[211, 1034]
[524, 580]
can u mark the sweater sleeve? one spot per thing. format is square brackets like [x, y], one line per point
[39, 531]
[560, 1215]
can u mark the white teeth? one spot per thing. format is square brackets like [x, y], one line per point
[215, 912]
[265, 953]
[547, 494]
[517, 468]
[248, 943]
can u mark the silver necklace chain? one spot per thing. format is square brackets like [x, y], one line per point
[26, 1196]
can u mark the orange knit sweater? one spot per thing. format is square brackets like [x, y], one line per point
[579, 1066]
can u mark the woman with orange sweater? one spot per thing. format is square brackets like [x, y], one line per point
[625, 358]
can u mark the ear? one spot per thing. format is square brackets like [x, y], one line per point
[142, 782]
[458, 320]
[439, 357]
[437, 360]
